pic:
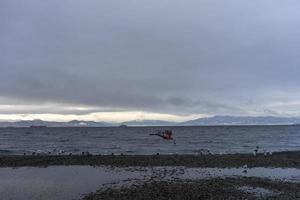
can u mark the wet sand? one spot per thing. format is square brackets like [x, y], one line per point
[229, 188]
[75, 182]
[236, 187]
[279, 159]
[195, 186]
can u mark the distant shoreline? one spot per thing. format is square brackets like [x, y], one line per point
[208, 121]
[141, 126]
[278, 159]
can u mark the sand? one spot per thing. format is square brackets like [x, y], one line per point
[279, 159]
[228, 188]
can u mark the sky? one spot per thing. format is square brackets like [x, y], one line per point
[119, 60]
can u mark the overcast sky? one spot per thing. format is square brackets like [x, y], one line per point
[116, 60]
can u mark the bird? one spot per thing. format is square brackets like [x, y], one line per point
[166, 135]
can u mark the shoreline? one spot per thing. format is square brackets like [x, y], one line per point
[161, 183]
[283, 159]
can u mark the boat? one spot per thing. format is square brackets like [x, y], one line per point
[38, 127]
[123, 126]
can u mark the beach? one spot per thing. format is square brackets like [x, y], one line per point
[277, 159]
[205, 189]
[228, 176]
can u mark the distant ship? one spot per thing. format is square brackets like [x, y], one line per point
[38, 127]
[123, 126]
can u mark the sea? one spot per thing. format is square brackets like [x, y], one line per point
[137, 141]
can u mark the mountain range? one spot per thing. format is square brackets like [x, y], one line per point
[209, 121]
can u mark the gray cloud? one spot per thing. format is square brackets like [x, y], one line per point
[179, 57]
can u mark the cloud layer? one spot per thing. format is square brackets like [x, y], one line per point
[170, 57]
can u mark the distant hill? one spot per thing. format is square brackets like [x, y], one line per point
[149, 123]
[74, 123]
[210, 121]
[240, 120]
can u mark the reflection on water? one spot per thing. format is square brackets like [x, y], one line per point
[59, 182]
[71, 182]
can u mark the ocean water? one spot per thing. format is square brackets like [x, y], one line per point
[136, 140]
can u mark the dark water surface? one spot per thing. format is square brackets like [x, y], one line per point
[136, 140]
